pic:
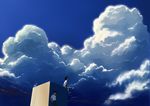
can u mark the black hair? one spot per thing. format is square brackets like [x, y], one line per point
[66, 77]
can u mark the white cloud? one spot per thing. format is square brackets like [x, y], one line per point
[141, 73]
[112, 37]
[138, 80]
[145, 65]
[29, 40]
[118, 14]
[28, 52]
[76, 64]
[31, 32]
[9, 46]
[117, 33]
[94, 69]
[129, 75]
[54, 46]
[66, 50]
[104, 34]
[131, 88]
[120, 41]
[91, 67]
[19, 60]
[1, 61]
[123, 47]
[4, 73]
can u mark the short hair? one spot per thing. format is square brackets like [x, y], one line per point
[66, 77]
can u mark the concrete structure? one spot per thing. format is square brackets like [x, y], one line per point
[41, 95]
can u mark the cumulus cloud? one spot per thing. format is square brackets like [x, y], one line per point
[93, 68]
[120, 42]
[133, 87]
[113, 38]
[19, 60]
[142, 73]
[66, 50]
[28, 53]
[76, 64]
[29, 36]
[54, 46]
[1, 61]
[136, 81]
[4, 73]
[116, 39]
[37, 35]
[128, 43]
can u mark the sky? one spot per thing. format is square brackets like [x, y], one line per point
[101, 43]
[63, 20]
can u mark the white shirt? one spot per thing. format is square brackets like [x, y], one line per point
[65, 83]
[53, 98]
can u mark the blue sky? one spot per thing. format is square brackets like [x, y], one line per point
[88, 40]
[63, 20]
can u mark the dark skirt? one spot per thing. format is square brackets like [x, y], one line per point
[54, 103]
